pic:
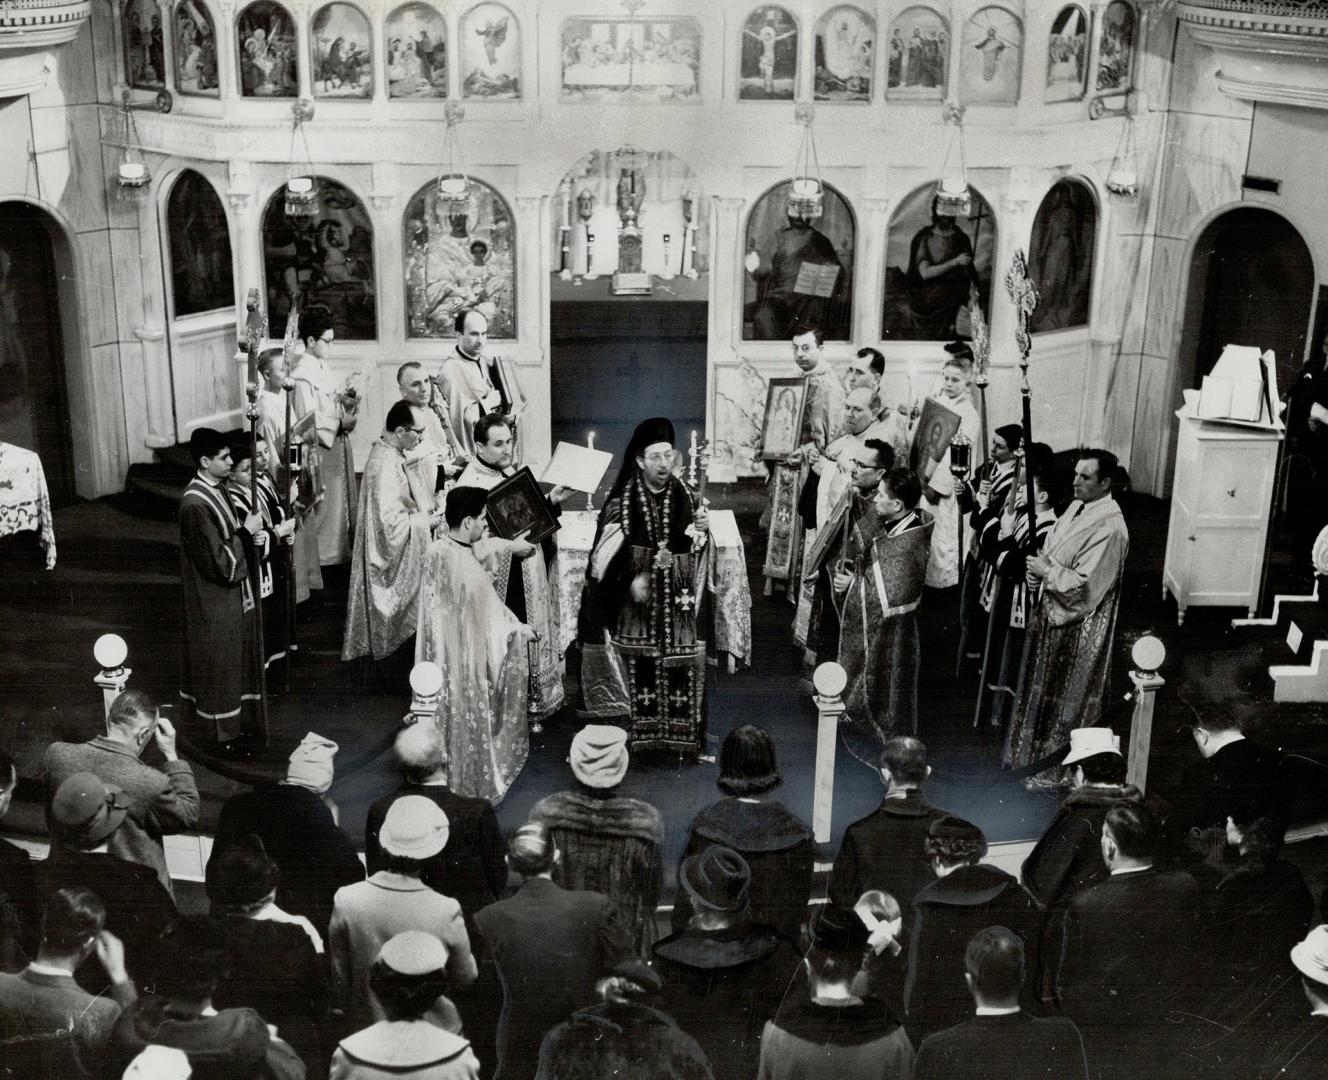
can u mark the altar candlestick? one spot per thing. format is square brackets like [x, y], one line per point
[590, 495]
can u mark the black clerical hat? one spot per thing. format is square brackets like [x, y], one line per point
[963, 350]
[837, 929]
[658, 429]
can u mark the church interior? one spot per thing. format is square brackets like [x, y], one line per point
[610, 183]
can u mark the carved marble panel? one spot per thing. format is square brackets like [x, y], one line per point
[97, 290]
[1168, 279]
[1205, 161]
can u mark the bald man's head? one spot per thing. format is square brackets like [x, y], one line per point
[860, 409]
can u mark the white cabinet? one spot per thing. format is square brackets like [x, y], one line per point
[1221, 499]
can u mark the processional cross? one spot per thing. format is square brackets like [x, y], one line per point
[1024, 294]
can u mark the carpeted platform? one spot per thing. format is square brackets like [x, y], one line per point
[118, 572]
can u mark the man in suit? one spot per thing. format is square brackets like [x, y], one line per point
[471, 868]
[20, 914]
[967, 896]
[884, 850]
[1001, 1041]
[1127, 948]
[551, 946]
[160, 801]
[1236, 778]
[49, 1025]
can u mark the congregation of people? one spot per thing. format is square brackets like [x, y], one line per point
[1140, 937]
[1129, 944]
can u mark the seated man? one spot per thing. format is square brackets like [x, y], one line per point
[825, 1029]
[967, 896]
[49, 1025]
[1001, 1042]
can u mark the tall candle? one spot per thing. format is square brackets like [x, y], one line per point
[590, 441]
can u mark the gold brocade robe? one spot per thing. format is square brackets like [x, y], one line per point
[333, 517]
[467, 630]
[539, 578]
[391, 541]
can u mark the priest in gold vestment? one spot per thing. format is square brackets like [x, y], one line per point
[394, 527]
[525, 574]
[481, 647]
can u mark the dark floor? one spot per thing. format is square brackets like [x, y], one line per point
[117, 572]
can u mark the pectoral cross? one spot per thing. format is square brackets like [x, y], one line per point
[685, 600]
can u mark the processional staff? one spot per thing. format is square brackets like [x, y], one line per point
[255, 330]
[292, 461]
[981, 346]
[1024, 293]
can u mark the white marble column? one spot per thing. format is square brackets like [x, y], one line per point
[150, 330]
[724, 331]
[228, 74]
[246, 243]
[385, 201]
[531, 250]
[869, 283]
[167, 43]
[303, 51]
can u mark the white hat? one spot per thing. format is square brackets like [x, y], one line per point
[1311, 955]
[159, 1063]
[414, 827]
[1085, 742]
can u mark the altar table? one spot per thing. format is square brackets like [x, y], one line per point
[25, 504]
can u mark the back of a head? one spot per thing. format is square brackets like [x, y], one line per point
[747, 764]
[8, 772]
[193, 960]
[837, 942]
[530, 849]
[72, 918]
[906, 759]
[420, 751]
[953, 841]
[240, 875]
[464, 502]
[1135, 828]
[1218, 721]
[903, 485]
[132, 710]
[1104, 769]
[995, 961]
[409, 974]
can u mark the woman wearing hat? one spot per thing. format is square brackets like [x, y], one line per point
[408, 976]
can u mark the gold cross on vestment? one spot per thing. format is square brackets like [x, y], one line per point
[1023, 292]
[663, 556]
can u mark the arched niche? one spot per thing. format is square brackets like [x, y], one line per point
[918, 55]
[1060, 256]
[1067, 55]
[1116, 51]
[798, 270]
[845, 44]
[459, 253]
[341, 52]
[931, 264]
[268, 58]
[415, 43]
[991, 57]
[144, 45]
[768, 55]
[1251, 282]
[195, 50]
[326, 261]
[199, 243]
[490, 57]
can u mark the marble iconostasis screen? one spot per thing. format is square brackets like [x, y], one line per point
[845, 44]
[1060, 256]
[268, 57]
[195, 50]
[416, 37]
[341, 52]
[918, 55]
[459, 255]
[798, 272]
[646, 59]
[932, 263]
[202, 278]
[768, 60]
[1067, 56]
[490, 53]
[325, 261]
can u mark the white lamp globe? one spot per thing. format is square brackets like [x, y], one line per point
[110, 651]
[426, 679]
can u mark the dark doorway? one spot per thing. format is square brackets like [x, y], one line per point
[1251, 283]
[617, 361]
[34, 408]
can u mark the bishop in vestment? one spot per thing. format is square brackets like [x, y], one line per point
[439, 457]
[219, 651]
[641, 660]
[1070, 640]
[334, 410]
[467, 630]
[878, 644]
[822, 423]
[273, 430]
[392, 538]
[525, 575]
[470, 384]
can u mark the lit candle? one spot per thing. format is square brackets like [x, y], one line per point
[590, 441]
